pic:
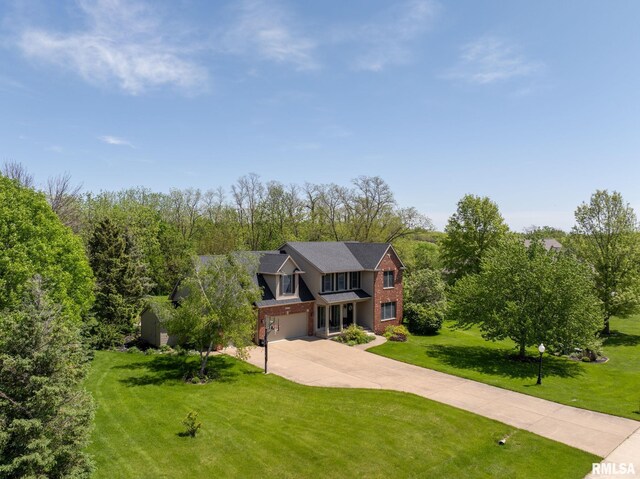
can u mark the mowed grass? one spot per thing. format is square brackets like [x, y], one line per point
[613, 387]
[265, 426]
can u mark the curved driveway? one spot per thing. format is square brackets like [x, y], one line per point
[319, 362]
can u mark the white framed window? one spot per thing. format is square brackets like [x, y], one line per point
[341, 281]
[327, 283]
[388, 311]
[388, 279]
[287, 284]
[354, 280]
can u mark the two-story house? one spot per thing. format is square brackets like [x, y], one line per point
[318, 289]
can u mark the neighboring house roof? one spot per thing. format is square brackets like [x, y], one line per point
[549, 244]
[340, 297]
[340, 256]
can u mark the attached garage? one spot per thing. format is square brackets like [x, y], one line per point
[289, 326]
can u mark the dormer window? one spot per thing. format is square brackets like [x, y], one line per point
[287, 284]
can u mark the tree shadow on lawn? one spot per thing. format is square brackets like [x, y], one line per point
[174, 369]
[499, 362]
[621, 339]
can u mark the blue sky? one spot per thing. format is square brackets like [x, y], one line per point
[535, 104]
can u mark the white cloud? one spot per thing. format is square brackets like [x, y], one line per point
[389, 39]
[490, 60]
[115, 140]
[124, 42]
[267, 30]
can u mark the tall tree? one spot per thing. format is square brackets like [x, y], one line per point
[472, 230]
[217, 309]
[64, 198]
[606, 237]
[34, 242]
[17, 171]
[531, 296]
[121, 281]
[45, 413]
[425, 301]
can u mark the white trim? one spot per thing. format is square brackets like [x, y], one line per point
[402, 266]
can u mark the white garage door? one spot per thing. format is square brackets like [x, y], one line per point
[289, 326]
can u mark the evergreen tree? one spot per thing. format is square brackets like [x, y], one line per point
[45, 414]
[121, 281]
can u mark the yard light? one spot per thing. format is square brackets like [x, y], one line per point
[541, 349]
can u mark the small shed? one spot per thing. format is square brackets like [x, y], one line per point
[151, 328]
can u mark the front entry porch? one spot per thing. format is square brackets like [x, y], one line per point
[331, 319]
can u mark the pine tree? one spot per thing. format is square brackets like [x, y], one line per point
[121, 280]
[45, 414]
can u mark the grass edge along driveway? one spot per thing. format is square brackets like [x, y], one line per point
[265, 426]
[612, 388]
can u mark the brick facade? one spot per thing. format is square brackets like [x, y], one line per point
[282, 310]
[390, 262]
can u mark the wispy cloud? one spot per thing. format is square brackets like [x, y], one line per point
[390, 38]
[115, 140]
[270, 32]
[124, 42]
[490, 59]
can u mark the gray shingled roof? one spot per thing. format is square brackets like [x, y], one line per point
[368, 254]
[549, 244]
[331, 298]
[340, 256]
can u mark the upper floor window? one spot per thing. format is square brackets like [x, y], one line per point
[327, 283]
[342, 281]
[287, 284]
[388, 279]
[355, 279]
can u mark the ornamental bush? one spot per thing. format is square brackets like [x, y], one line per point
[353, 335]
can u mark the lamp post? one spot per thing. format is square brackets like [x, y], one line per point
[541, 349]
[269, 325]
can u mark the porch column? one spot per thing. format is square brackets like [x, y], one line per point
[342, 308]
[327, 315]
[355, 323]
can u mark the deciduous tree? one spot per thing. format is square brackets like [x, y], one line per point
[606, 237]
[217, 309]
[474, 228]
[531, 296]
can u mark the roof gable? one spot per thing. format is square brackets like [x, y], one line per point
[340, 256]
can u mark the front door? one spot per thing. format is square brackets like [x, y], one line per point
[347, 319]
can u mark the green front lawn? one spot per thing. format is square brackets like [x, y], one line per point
[265, 426]
[613, 387]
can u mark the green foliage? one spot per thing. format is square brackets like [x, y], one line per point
[605, 236]
[353, 335]
[530, 296]
[472, 230]
[427, 256]
[219, 307]
[191, 424]
[121, 282]
[425, 302]
[396, 333]
[423, 319]
[45, 414]
[34, 242]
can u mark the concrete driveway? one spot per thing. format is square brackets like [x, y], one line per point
[319, 362]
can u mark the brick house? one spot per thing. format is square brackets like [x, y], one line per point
[318, 289]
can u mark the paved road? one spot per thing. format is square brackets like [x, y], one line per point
[318, 362]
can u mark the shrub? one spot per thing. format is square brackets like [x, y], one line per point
[422, 319]
[353, 335]
[396, 333]
[133, 350]
[191, 424]
[165, 348]
[586, 359]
